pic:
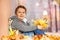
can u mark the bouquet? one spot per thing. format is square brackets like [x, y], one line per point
[41, 23]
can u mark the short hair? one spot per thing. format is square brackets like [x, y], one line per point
[20, 6]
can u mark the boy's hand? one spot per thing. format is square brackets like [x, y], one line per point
[40, 27]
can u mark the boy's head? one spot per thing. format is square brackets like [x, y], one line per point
[20, 12]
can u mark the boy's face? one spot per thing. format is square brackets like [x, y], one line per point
[21, 13]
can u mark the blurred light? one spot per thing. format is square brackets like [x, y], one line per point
[45, 12]
[54, 3]
[37, 4]
[21, 2]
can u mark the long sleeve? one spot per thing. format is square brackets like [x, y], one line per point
[24, 27]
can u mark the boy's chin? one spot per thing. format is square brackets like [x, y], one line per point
[21, 18]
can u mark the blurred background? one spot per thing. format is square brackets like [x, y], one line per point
[36, 9]
[40, 9]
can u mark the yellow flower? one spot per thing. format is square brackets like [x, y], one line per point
[41, 23]
[26, 36]
[11, 31]
[36, 22]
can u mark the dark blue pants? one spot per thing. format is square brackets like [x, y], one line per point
[35, 32]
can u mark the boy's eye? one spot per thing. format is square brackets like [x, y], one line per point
[19, 12]
[23, 12]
